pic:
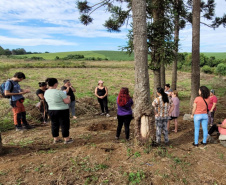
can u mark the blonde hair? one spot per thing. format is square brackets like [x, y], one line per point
[175, 92]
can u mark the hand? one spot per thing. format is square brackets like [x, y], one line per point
[69, 97]
[192, 116]
[26, 91]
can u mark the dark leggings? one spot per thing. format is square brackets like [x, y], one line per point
[103, 104]
[60, 118]
[212, 129]
[126, 120]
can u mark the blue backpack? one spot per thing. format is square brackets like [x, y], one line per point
[2, 89]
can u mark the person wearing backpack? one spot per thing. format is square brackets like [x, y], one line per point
[16, 100]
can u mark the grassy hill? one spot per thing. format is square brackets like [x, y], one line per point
[110, 55]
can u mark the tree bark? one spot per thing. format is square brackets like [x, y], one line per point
[176, 40]
[0, 144]
[143, 112]
[163, 75]
[195, 66]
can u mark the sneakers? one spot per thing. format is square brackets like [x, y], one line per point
[102, 114]
[69, 141]
[195, 144]
[203, 143]
[117, 138]
[19, 129]
[57, 141]
[107, 115]
[27, 127]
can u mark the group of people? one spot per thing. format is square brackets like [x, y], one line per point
[57, 104]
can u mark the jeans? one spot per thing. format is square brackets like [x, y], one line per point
[126, 120]
[72, 108]
[161, 126]
[103, 104]
[211, 117]
[201, 118]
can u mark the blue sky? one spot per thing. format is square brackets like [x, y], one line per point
[53, 25]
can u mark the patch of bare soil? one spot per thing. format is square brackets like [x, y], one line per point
[95, 157]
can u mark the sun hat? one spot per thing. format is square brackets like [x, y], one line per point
[100, 82]
[212, 91]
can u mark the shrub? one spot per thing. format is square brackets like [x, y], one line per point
[207, 69]
[37, 58]
[221, 69]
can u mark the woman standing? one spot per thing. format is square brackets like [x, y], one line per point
[58, 111]
[101, 93]
[43, 107]
[163, 109]
[176, 110]
[69, 89]
[212, 107]
[124, 113]
[199, 113]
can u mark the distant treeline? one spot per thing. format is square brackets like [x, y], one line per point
[208, 65]
[18, 51]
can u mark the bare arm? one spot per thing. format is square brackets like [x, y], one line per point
[73, 89]
[96, 93]
[106, 92]
[193, 110]
[67, 100]
[221, 125]
[213, 107]
[41, 96]
[171, 108]
[8, 93]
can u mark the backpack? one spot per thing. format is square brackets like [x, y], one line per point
[2, 89]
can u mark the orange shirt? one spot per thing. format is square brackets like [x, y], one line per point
[222, 130]
[201, 107]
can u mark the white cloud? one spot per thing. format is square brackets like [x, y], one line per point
[34, 42]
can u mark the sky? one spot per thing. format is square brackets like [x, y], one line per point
[54, 26]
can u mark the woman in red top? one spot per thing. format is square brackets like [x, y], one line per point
[212, 107]
[199, 113]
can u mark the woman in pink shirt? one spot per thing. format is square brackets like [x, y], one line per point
[175, 114]
[221, 128]
[212, 107]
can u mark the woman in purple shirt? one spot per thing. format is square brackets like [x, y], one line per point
[124, 113]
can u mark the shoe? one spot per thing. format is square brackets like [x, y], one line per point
[27, 126]
[102, 114]
[117, 138]
[107, 115]
[69, 141]
[19, 129]
[195, 144]
[57, 141]
[203, 143]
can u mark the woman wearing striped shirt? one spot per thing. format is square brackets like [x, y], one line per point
[163, 109]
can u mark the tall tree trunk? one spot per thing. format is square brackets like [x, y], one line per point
[143, 112]
[0, 143]
[195, 66]
[163, 75]
[176, 40]
[155, 58]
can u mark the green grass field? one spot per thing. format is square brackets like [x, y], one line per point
[110, 55]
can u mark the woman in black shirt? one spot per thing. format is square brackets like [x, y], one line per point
[101, 93]
[43, 106]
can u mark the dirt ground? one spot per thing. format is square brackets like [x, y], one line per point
[95, 157]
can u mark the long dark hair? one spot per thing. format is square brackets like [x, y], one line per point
[164, 95]
[205, 92]
[123, 96]
[42, 84]
[51, 81]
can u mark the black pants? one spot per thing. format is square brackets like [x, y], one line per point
[126, 120]
[212, 129]
[60, 118]
[103, 104]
